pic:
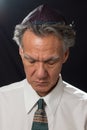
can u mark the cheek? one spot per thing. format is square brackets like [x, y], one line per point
[54, 73]
[28, 71]
[29, 74]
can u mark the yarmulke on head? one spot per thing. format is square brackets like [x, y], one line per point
[44, 14]
[43, 21]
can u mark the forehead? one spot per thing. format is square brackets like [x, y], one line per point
[41, 44]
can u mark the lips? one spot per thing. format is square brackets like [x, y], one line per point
[40, 83]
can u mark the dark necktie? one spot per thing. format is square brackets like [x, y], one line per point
[40, 118]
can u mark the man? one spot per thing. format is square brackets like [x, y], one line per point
[44, 39]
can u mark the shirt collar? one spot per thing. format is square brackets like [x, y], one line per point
[30, 96]
[52, 99]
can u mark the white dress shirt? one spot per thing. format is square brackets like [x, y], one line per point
[66, 107]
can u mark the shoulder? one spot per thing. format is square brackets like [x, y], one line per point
[74, 92]
[74, 102]
[12, 86]
[12, 99]
[11, 94]
[74, 99]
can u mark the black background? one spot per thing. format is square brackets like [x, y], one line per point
[13, 11]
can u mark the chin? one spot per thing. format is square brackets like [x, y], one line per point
[42, 91]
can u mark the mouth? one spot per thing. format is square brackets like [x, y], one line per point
[41, 83]
[41, 87]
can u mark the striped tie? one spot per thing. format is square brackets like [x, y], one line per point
[40, 118]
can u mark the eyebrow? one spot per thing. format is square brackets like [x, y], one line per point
[29, 57]
[53, 58]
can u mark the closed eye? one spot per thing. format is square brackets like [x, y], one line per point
[29, 59]
[52, 61]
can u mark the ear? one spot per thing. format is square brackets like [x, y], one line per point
[66, 55]
[21, 52]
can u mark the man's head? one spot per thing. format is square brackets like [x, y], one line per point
[44, 39]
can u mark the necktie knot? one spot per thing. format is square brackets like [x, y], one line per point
[41, 104]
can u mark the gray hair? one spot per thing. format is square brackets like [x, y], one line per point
[65, 32]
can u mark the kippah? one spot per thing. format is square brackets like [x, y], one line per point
[44, 14]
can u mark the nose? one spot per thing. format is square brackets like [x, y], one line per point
[41, 71]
